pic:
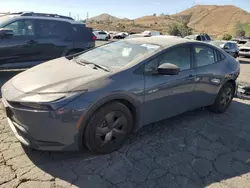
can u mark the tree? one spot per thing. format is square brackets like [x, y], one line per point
[179, 29]
[227, 37]
[154, 14]
[239, 30]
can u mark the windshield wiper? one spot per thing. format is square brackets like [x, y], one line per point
[83, 62]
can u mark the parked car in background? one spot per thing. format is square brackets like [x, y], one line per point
[120, 35]
[199, 37]
[28, 38]
[245, 50]
[101, 35]
[151, 33]
[97, 98]
[228, 46]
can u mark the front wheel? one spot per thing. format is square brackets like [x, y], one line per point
[108, 128]
[223, 99]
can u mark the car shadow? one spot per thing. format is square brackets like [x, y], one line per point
[195, 149]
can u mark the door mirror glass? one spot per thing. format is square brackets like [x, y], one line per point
[168, 69]
[5, 32]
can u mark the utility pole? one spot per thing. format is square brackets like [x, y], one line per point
[87, 17]
[69, 14]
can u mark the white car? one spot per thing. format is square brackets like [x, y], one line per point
[101, 35]
[151, 33]
[245, 50]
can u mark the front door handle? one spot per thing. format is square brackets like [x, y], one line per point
[31, 42]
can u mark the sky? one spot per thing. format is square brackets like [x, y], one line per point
[126, 8]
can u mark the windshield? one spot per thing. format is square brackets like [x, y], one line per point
[218, 43]
[3, 19]
[247, 44]
[117, 54]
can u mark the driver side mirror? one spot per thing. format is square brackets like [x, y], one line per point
[5, 33]
[168, 69]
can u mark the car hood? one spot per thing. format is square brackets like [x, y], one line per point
[55, 76]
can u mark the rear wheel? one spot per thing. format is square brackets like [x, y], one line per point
[108, 128]
[224, 98]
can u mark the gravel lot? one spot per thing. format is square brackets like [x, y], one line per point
[196, 149]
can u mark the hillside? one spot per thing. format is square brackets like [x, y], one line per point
[212, 19]
[104, 18]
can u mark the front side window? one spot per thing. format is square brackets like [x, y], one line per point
[179, 56]
[22, 27]
[118, 54]
[204, 56]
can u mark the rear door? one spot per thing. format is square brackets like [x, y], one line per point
[208, 74]
[18, 49]
[53, 38]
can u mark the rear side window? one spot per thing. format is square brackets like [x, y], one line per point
[51, 29]
[81, 32]
[203, 38]
[220, 56]
[102, 33]
[204, 56]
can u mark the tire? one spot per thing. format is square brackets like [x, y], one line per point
[236, 55]
[106, 39]
[108, 128]
[223, 99]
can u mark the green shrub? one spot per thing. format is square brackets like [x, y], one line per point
[227, 37]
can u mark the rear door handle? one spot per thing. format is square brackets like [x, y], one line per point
[31, 42]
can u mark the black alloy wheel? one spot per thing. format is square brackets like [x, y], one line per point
[108, 128]
[224, 98]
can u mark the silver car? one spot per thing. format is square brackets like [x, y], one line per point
[228, 46]
[97, 98]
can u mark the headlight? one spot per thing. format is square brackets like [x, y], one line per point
[49, 101]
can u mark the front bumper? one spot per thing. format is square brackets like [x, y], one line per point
[45, 130]
[247, 54]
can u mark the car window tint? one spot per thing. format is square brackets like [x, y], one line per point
[204, 56]
[198, 38]
[102, 33]
[220, 56]
[51, 29]
[203, 38]
[179, 56]
[22, 27]
[208, 37]
[227, 45]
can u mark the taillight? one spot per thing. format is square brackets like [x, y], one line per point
[94, 38]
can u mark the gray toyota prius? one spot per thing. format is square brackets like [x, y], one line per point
[98, 97]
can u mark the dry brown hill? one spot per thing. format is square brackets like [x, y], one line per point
[212, 19]
[104, 17]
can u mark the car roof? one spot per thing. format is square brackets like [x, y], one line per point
[164, 41]
[18, 17]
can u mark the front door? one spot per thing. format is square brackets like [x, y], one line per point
[18, 50]
[169, 95]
